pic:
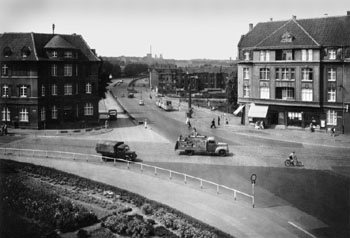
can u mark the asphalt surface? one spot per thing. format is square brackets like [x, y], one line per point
[268, 219]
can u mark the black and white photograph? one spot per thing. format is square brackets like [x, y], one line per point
[174, 119]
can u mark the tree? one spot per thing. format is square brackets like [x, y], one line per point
[231, 91]
[132, 70]
[105, 70]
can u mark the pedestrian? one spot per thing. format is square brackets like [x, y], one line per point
[218, 120]
[333, 131]
[194, 132]
[226, 121]
[188, 123]
[213, 123]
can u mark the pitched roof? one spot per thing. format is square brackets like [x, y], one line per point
[328, 31]
[57, 42]
[38, 43]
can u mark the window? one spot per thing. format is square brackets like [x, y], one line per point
[7, 51]
[23, 91]
[88, 88]
[54, 70]
[332, 76]
[265, 92]
[88, 109]
[43, 114]
[294, 115]
[264, 55]
[25, 52]
[306, 94]
[331, 94]
[4, 70]
[68, 54]
[54, 54]
[332, 54]
[54, 112]
[285, 73]
[306, 55]
[68, 89]
[246, 73]
[246, 55]
[23, 115]
[42, 90]
[284, 55]
[306, 74]
[68, 70]
[5, 114]
[54, 90]
[284, 93]
[5, 90]
[265, 74]
[246, 91]
[331, 117]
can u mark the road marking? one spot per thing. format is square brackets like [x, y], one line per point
[306, 232]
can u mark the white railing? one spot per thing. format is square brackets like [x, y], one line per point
[88, 157]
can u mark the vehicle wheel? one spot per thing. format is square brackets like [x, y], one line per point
[287, 163]
[104, 159]
[190, 152]
[222, 152]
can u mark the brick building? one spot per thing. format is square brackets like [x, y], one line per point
[47, 80]
[296, 72]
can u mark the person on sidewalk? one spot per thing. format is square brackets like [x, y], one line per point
[333, 131]
[213, 123]
[218, 120]
[188, 123]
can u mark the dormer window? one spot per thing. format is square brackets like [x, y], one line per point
[246, 55]
[7, 51]
[332, 54]
[54, 54]
[68, 54]
[25, 52]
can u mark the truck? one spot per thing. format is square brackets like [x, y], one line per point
[115, 149]
[201, 144]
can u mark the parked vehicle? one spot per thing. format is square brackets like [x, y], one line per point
[112, 113]
[130, 95]
[115, 149]
[141, 102]
[197, 143]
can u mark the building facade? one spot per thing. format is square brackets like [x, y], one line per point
[296, 73]
[47, 80]
[173, 80]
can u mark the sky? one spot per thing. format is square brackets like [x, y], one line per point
[177, 29]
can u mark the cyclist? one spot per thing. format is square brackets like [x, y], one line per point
[293, 158]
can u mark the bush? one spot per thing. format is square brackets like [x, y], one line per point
[147, 209]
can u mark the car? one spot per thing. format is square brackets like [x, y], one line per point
[112, 113]
[141, 102]
[130, 95]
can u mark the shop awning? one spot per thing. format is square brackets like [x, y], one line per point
[257, 111]
[238, 110]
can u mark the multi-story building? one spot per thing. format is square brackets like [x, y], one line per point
[176, 80]
[296, 72]
[47, 80]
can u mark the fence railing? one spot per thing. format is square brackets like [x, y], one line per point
[88, 157]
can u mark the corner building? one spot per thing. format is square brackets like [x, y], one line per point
[47, 80]
[296, 72]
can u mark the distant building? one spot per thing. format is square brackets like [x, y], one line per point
[47, 80]
[169, 79]
[296, 72]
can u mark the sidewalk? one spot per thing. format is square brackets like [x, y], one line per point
[203, 116]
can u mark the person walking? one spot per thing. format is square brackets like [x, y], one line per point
[188, 123]
[218, 120]
[213, 123]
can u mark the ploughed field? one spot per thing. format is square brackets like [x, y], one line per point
[37, 201]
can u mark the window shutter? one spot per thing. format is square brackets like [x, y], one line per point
[325, 52]
[28, 91]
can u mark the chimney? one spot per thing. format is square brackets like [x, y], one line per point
[271, 19]
[348, 13]
[53, 29]
[294, 17]
[250, 26]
